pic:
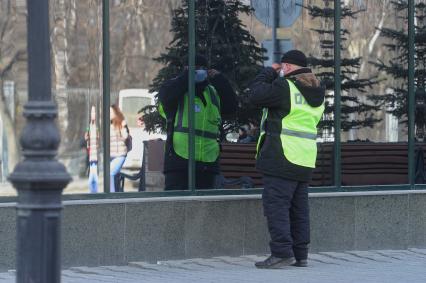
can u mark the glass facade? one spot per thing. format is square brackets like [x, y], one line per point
[371, 135]
[374, 128]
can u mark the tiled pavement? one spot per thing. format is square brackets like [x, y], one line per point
[356, 266]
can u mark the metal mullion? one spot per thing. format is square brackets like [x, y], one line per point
[191, 103]
[106, 93]
[337, 97]
[274, 16]
[411, 93]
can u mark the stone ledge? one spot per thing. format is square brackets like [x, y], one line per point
[239, 197]
[116, 231]
[227, 197]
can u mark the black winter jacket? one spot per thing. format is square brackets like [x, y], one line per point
[172, 93]
[273, 92]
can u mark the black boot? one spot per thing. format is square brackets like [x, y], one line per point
[301, 263]
[273, 262]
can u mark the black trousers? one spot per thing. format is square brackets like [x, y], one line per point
[178, 180]
[286, 207]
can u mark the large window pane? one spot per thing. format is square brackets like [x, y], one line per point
[76, 84]
[75, 45]
[13, 86]
[231, 50]
[139, 34]
[420, 89]
[374, 93]
[299, 28]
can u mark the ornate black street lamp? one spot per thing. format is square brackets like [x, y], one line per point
[39, 178]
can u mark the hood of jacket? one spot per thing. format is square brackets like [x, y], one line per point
[309, 85]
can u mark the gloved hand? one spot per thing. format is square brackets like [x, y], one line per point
[268, 75]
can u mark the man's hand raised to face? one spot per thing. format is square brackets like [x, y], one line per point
[213, 73]
[276, 67]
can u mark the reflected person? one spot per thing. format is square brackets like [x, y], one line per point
[243, 136]
[118, 150]
[214, 97]
[92, 141]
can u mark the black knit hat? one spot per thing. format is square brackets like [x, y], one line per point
[200, 61]
[295, 57]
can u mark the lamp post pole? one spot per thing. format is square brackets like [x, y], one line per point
[39, 178]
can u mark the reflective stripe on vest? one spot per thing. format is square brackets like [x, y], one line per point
[299, 132]
[199, 133]
[207, 123]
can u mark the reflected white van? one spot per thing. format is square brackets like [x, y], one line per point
[130, 102]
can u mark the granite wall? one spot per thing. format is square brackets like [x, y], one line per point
[115, 232]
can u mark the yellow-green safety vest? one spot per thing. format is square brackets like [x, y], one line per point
[207, 125]
[299, 130]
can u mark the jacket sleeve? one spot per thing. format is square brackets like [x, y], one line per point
[228, 99]
[172, 90]
[269, 90]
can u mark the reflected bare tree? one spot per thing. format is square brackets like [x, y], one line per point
[11, 53]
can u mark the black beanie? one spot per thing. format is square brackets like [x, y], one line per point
[200, 61]
[295, 57]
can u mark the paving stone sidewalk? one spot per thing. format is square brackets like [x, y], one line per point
[387, 266]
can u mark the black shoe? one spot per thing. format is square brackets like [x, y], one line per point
[273, 262]
[301, 263]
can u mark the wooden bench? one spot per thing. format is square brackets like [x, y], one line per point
[239, 160]
[362, 164]
[368, 164]
[323, 173]
[237, 165]
[377, 163]
[152, 161]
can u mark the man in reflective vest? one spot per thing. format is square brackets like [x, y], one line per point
[214, 97]
[293, 103]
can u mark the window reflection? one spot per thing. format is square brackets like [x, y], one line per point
[374, 84]
[13, 87]
[76, 80]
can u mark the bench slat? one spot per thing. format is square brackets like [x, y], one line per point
[362, 163]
